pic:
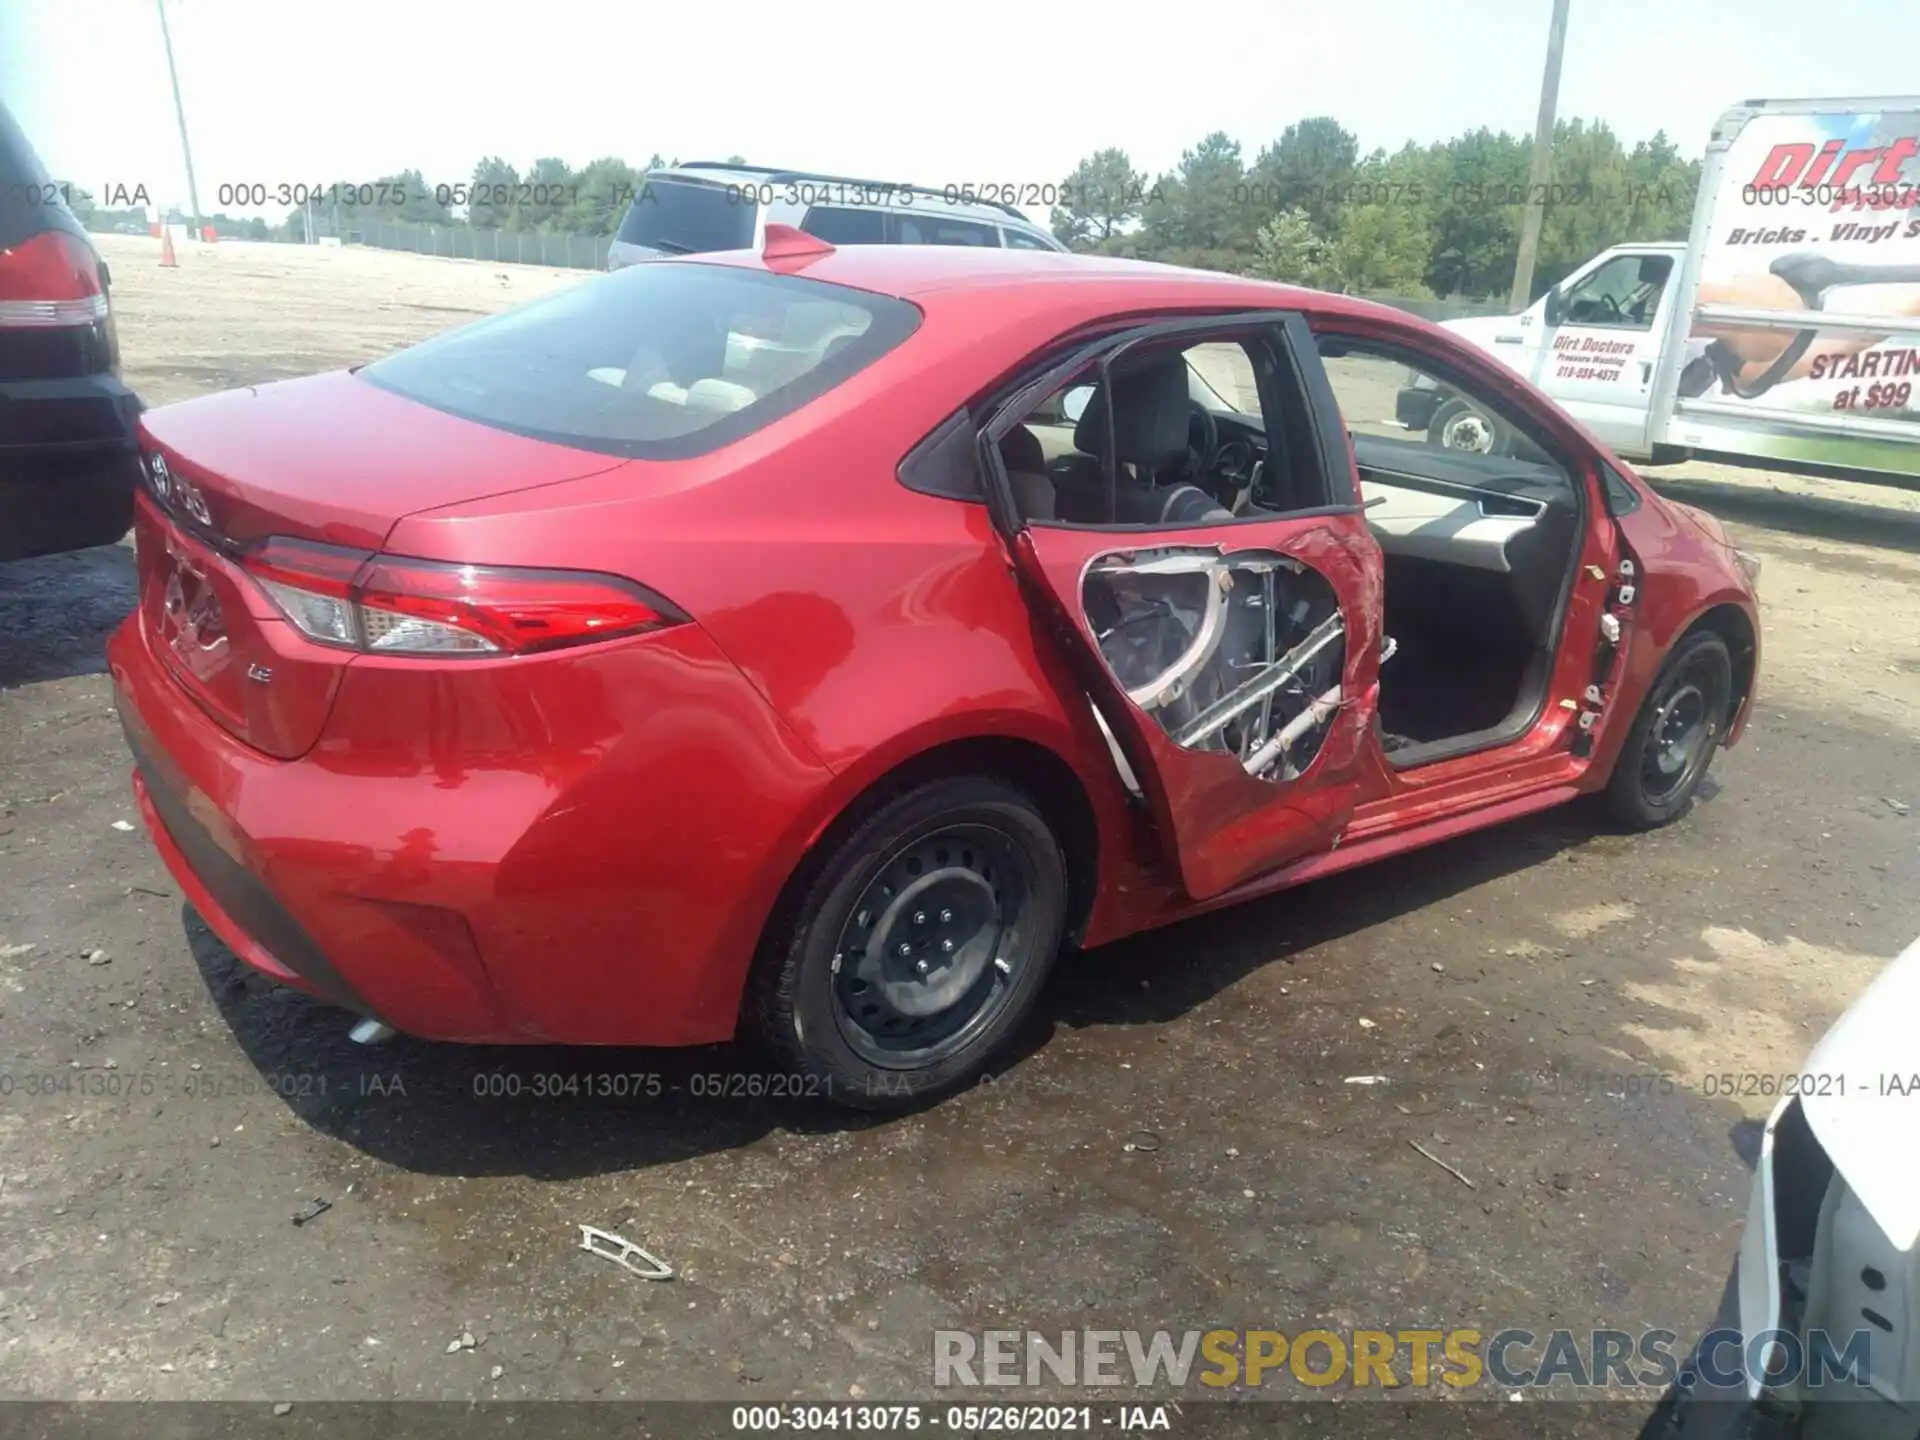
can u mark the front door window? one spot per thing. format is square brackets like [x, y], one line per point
[1623, 294]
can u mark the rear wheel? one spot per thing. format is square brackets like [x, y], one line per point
[1680, 725]
[918, 947]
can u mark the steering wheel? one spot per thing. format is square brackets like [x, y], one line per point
[1203, 442]
[1612, 306]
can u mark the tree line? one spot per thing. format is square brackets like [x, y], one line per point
[1441, 219]
[550, 196]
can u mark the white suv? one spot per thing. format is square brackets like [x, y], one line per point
[707, 206]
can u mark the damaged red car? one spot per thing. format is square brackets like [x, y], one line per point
[815, 643]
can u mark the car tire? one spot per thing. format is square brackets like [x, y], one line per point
[962, 871]
[1456, 420]
[1680, 725]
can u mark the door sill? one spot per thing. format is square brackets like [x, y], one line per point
[1519, 722]
[1388, 839]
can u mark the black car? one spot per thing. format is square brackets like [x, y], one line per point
[67, 459]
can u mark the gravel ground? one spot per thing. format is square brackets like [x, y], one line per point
[1549, 1004]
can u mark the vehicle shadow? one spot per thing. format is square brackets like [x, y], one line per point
[548, 1112]
[1161, 975]
[1885, 527]
[56, 612]
[1746, 1137]
[556, 1112]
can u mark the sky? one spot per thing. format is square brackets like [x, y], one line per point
[1009, 92]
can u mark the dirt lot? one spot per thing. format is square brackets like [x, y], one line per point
[1548, 1002]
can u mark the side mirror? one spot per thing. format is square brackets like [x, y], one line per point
[1555, 307]
[1074, 403]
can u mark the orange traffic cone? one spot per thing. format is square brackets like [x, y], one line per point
[166, 248]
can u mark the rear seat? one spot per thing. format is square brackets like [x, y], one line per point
[1026, 466]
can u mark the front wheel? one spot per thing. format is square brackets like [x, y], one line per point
[1680, 725]
[918, 947]
[1459, 425]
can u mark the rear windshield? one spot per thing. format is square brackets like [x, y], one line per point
[655, 362]
[684, 218]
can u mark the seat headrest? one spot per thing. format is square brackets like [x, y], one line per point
[1020, 451]
[1150, 415]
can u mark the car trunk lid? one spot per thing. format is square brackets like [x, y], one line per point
[334, 458]
[331, 459]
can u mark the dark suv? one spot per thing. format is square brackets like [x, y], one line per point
[67, 460]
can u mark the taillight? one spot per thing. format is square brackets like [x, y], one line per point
[50, 281]
[392, 605]
[312, 585]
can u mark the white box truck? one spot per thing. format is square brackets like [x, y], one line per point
[1786, 328]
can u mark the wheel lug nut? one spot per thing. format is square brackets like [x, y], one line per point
[946, 947]
[919, 917]
[946, 917]
[905, 949]
[920, 966]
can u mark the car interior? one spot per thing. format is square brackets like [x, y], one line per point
[751, 356]
[1479, 548]
[1625, 292]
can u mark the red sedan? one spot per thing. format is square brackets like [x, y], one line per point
[816, 642]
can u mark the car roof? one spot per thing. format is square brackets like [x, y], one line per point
[1093, 285]
[29, 201]
[925, 196]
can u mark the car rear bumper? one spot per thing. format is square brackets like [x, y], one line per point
[68, 464]
[508, 897]
[230, 898]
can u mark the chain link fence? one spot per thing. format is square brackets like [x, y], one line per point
[589, 252]
[461, 242]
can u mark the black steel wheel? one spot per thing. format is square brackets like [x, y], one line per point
[1680, 725]
[926, 958]
[919, 945]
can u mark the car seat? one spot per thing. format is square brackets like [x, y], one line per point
[1026, 464]
[1150, 420]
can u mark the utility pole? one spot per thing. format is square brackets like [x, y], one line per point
[1522, 294]
[180, 113]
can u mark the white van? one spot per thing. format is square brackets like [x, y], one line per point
[1786, 328]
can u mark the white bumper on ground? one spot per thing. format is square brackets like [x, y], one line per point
[1820, 1334]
